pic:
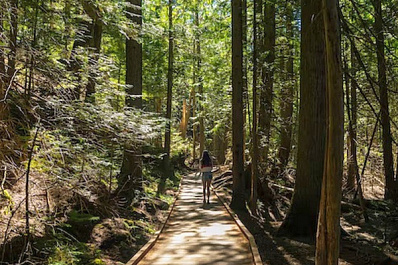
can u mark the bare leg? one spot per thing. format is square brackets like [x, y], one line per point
[204, 190]
[208, 190]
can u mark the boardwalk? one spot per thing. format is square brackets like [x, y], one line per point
[199, 234]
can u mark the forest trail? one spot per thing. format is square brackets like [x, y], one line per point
[199, 234]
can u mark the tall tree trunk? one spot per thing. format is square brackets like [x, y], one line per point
[3, 104]
[75, 63]
[200, 86]
[94, 57]
[301, 219]
[28, 89]
[352, 132]
[254, 173]
[96, 37]
[2, 72]
[167, 141]
[194, 107]
[396, 170]
[131, 170]
[238, 189]
[184, 119]
[328, 235]
[220, 145]
[12, 55]
[246, 104]
[2, 57]
[266, 91]
[134, 58]
[287, 95]
[68, 25]
[390, 189]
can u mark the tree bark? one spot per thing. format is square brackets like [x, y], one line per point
[220, 144]
[30, 86]
[12, 55]
[328, 235]
[287, 96]
[391, 185]
[93, 59]
[301, 219]
[200, 85]
[131, 170]
[266, 90]
[3, 79]
[184, 119]
[2, 57]
[246, 104]
[169, 81]
[134, 58]
[167, 141]
[74, 62]
[254, 173]
[194, 126]
[238, 197]
[352, 132]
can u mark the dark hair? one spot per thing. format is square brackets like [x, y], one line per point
[206, 160]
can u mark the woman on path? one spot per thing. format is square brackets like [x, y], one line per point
[205, 166]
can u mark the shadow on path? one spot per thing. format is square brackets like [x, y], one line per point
[198, 233]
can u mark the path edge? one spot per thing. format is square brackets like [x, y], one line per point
[256, 258]
[151, 243]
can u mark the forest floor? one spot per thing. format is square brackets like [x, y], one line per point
[374, 242]
[78, 223]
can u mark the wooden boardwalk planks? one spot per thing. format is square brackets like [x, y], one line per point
[198, 234]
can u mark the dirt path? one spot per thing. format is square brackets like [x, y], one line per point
[199, 234]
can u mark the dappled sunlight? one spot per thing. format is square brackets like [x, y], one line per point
[215, 229]
[181, 238]
[198, 233]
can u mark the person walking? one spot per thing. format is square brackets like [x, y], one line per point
[205, 166]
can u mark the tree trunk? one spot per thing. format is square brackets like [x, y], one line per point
[352, 132]
[3, 73]
[301, 219]
[194, 126]
[200, 90]
[3, 104]
[12, 55]
[391, 185]
[131, 170]
[158, 110]
[184, 119]
[246, 104]
[30, 87]
[238, 189]
[328, 235]
[266, 90]
[220, 145]
[287, 96]
[167, 140]
[254, 173]
[2, 57]
[134, 58]
[169, 81]
[75, 63]
[93, 59]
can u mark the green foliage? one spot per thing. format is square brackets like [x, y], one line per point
[74, 254]
[9, 201]
[77, 217]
